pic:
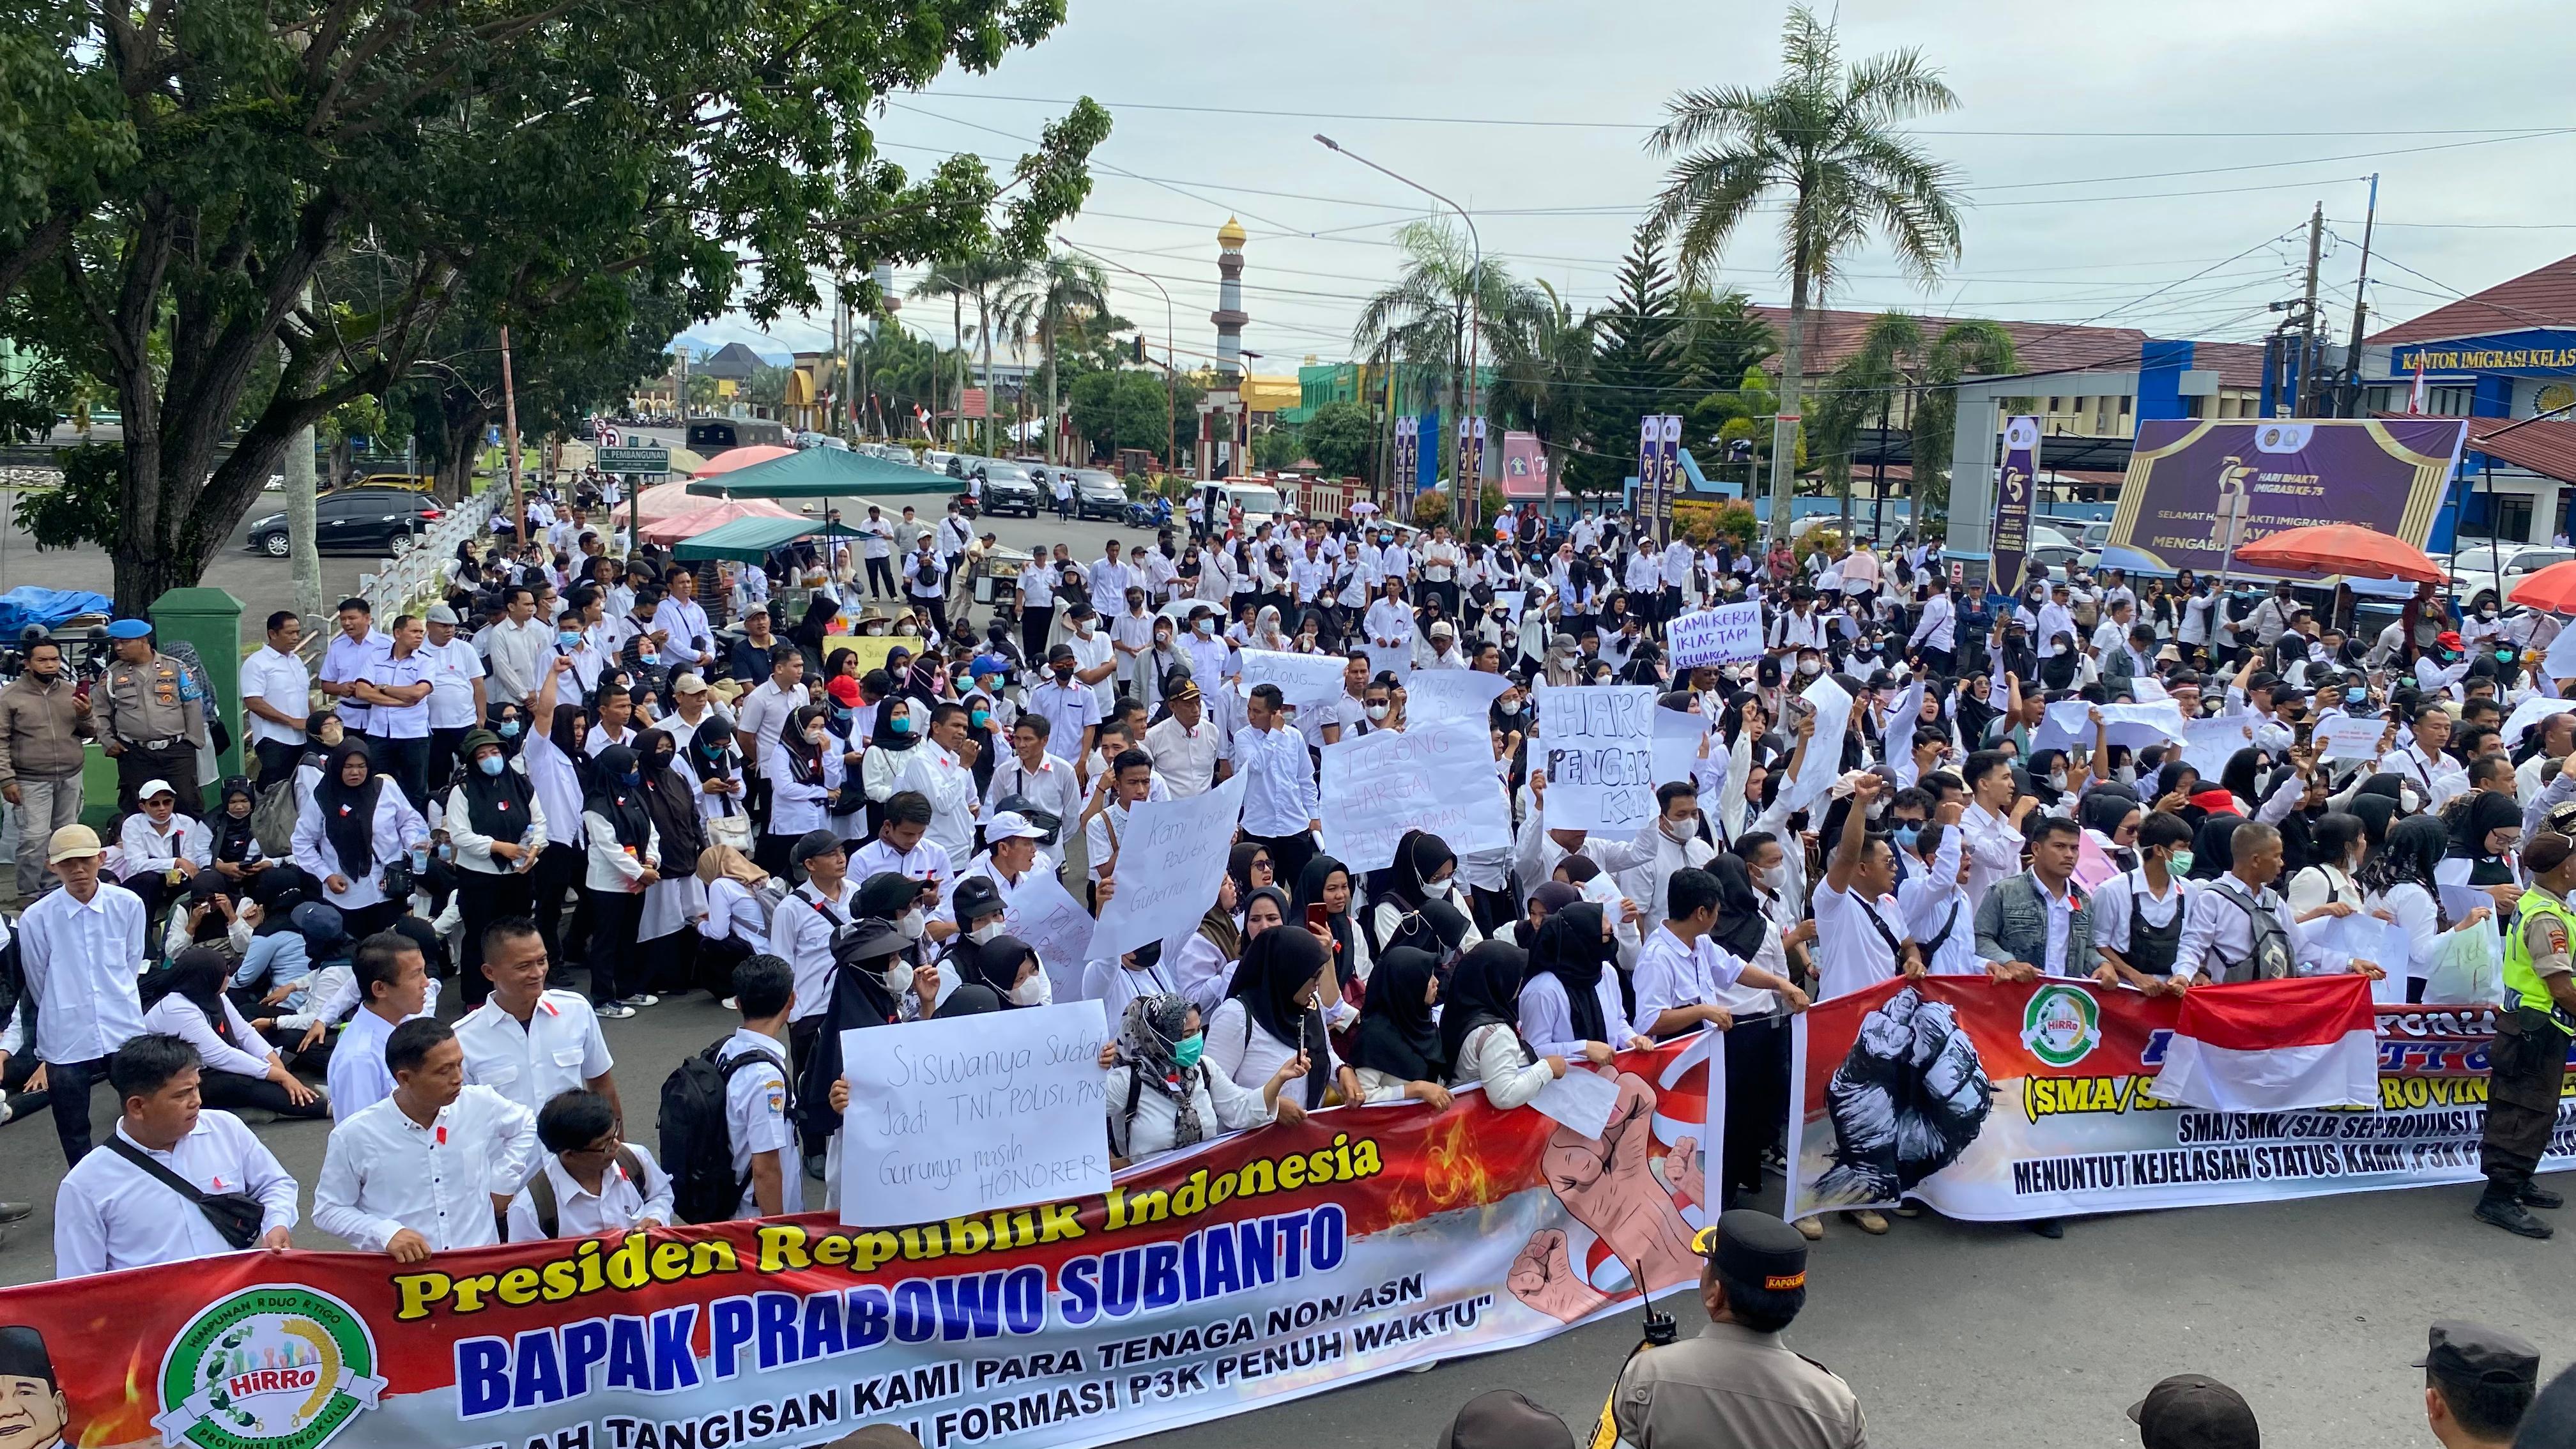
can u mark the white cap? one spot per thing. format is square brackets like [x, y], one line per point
[688, 683]
[1011, 825]
[154, 787]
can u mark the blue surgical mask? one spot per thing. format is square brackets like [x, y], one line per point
[979, 717]
[491, 764]
[901, 724]
[631, 777]
[1906, 835]
[568, 639]
[509, 729]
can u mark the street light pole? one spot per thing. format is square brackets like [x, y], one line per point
[1171, 359]
[1465, 501]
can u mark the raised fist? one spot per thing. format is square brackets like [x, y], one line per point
[1543, 1277]
[1905, 1103]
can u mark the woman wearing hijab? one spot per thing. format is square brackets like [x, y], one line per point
[356, 825]
[2212, 847]
[889, 764]
[1205, 963]
[1327, 883]
[624, 855]
[1273, 1013]
[1480, 1032]
[1422, 877]
[2110, 815]
[1267, 910]
[2399, 882]
[1006, 965]
[1550, 897]
[1266, 633]
[667, 947]
[497, 826]
[2334, 855]
[805, 778]
[2486, 832]
[716, 783]
[742, 900]
[964, 1001]
[1249, 868]
[240, 1069]
[235, 852]
[1395, 1050]
[1163, 1094]
[1570, 1006]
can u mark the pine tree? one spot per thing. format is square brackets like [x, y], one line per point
[1636, 370]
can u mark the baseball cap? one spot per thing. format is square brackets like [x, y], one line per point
[1010, 825]
[886, 894]
[2472, 1353]
[2189, 1411]
[989, 664]
[844, 692]
[129, 629]
[441, 614]
[72, 842]
[155, 787]
[811, 844]
[1059, 651]
[976, 896]
[690, 683]
[1443, 630]
[2449, 637]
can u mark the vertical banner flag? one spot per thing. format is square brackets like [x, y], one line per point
[2013, 488]
[1650, 443]
[1668, 467]
[1426, 451]
[1599, 742]
[1407, 438]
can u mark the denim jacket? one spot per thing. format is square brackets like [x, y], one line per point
[2012, 925]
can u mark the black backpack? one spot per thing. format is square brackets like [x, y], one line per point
[697, 1139]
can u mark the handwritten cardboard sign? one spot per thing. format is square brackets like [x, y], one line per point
[1437, 777]
[1170, 858]
[1599, 743]
[1727, 634]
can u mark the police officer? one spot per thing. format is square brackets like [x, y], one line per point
[2529, 1057]
[154, 720]
[1736, 1385]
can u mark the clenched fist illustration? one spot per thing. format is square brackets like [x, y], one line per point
[1609, 1186]
[1905, 1103]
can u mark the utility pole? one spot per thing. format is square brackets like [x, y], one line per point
[2360, 305]
[301, 491]
[2305, 406]
[510, 437]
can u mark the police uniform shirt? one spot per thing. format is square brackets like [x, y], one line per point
[1733, 1388]
[558, 1049]
[756, 1121]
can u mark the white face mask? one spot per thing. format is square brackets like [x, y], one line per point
[1809, 667]
[1378, 711]
[1036, 991]
[1775, 876]
[985, 932]
[897, 979]
[909, 925]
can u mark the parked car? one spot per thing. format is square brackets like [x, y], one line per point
[2478, 579]
[962, 466]
[1097, 493]
[1010, 488]
[354, 520]
[2052, 548]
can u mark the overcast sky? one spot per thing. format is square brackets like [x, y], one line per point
[2107, 151]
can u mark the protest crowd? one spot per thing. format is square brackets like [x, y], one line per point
[877, 781]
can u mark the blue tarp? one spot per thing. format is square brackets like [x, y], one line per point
[49, 607]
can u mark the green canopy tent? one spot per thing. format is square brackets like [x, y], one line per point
[750, 540]
[825, 473]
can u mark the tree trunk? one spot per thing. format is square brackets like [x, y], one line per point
[984, 335]
[1784, 426]
[1047, 344]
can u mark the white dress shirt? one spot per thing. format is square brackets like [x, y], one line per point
[357, 1075]
[384, 1172]
[1241, 1049]
[1851, 953]
[683, 622]
[184, 1019]
[80, 961]
[757, 1121]
[111, 1214]
[558, 1049]
[1547, 1018]
[453, 668]
[1051, 786]
[345, 659]
[150, 849]
[386, 671]
[801, 932]
[281, 682]
[1279, 788]
[1185, 755]
[618, 1205]
[1670, 974]
[1994, 848]
[396, 829]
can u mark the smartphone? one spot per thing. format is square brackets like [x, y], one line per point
[1319, 917]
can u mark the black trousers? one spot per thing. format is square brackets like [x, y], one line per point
[881, 578]
[716, 960]
[407, 761]
[137, 766]
[1035, 621]
[67, 1087]
[2529, 1061]
[230, 1090]
[614, 970]
[1757, 1102]
[276, 761]
[482, 898]
[442, 755]
[801, 1035]
[936, 608]
[557, 871]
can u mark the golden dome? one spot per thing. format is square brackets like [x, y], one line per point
[1230, 235]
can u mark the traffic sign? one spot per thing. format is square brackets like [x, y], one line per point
[633, 460]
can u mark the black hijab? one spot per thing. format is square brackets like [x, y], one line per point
[196, 975]
[2484, 811]
[1310, 892]
[233, 836]
[2213, 851]
[619, 803]
[1396, 1035]
[994, 963]
[495, 805]
[670, 800]
[279, 890]
[1570, 948]
[349, 811]
[1740, 920]
[1275, 968]
[1486, 987]
[804, 757]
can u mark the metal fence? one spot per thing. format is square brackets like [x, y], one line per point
[412, 576]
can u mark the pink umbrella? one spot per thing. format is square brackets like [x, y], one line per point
[672, 527]
[743, 457]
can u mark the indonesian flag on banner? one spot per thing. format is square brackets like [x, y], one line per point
[2270, 1046]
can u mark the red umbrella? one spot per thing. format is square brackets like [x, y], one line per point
[2552, 588]
[743, 457]
[2342, 548]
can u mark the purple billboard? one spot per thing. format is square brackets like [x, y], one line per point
[2192, 483]
[2012, 505]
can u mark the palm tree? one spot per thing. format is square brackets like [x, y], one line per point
[1440, 304]
[983, 279]
[1864, 386]
[1050, 301]
[1541, 377]
[1964, 349]
[1828, 136]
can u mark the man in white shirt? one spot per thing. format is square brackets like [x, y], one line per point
[760, 1118]
[395, 687]
[1188, 751]
[1131, 775]
[1279, 804]
[1682, 978]
[393, 987]
[430, 1168]
[455, 692]
[1034, 773]
[800, 930]
[2421, 762]
[1991, 825]
[876, 547]
[1095, 660]
[763, 712]
[277, 698]
[518, 648]
[1071, 708]
[688, 642]
[1935, 634]
[115, 1211]
[345, 658]
[592, 1180]
[1109, 575]
[80, 949]
[528, 1043]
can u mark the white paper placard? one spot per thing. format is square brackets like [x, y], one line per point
[1395, 659]
[954, 1118]
[2531, 712]
[1302, 678]
[1437, 777]
[2069, 723]
[1437, 694]
[1824, 762]
[1044, 915]
[1727, 634]
[1581, 1099]
[1677, 737]
[2350, 737]
[2208, 744]
[1170, 858]
[1598, 743]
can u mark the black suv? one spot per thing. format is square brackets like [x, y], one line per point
[1009, 487]
[355, 520]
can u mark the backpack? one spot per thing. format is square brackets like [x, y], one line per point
[272, 820]
[697, 1139]
[541, 1189]
[2267, 955]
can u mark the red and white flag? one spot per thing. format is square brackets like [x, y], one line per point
[2415, 394]
[2273, 1046]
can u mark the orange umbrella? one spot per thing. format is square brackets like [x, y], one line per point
[2341, 548]
[744, 457]
[672, 527]
[2552, 588]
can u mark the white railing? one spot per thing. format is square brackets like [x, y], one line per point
[413, 576]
